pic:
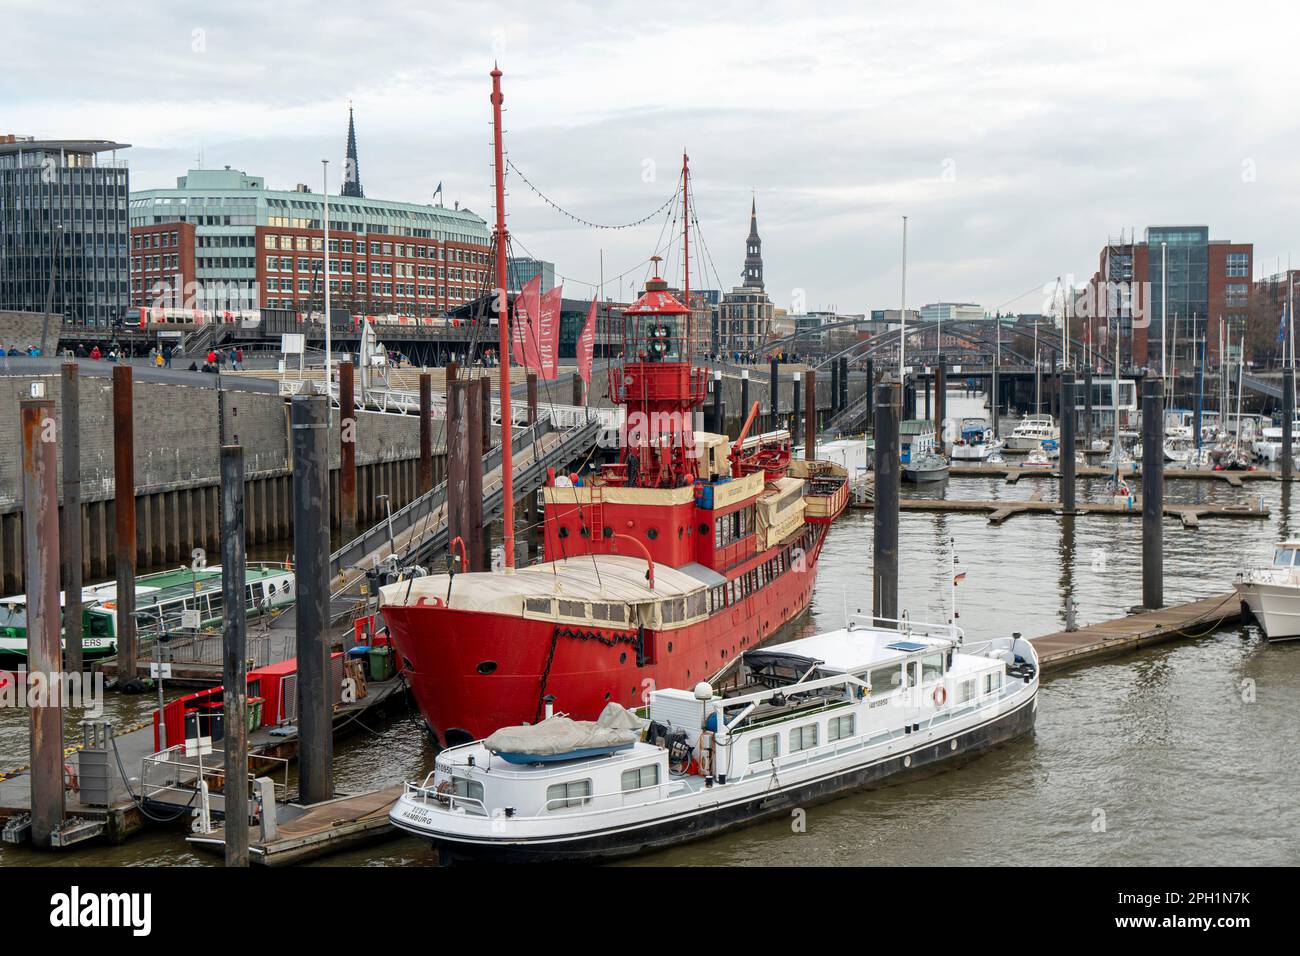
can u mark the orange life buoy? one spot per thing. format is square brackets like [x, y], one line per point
[940, 696]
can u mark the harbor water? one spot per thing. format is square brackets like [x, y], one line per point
[1178, 754]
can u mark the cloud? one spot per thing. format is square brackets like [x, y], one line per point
[1015, 138]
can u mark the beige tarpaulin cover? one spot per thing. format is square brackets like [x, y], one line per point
[561, 735]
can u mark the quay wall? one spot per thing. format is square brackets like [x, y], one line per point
[178, 436]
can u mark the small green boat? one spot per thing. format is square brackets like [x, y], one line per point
[161, 599]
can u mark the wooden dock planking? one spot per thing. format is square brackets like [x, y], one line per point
[1000, 511]
[1194, 619]
[319, 829]
[1012, 474]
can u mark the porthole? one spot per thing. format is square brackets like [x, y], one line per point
[564, 532]
[584, 531]
[487, 667]
[704, 528]
[670, 647]
[622, 658]
[952, 745]
[907, 761]
[608, 532]
[651, 533]
[607, 695]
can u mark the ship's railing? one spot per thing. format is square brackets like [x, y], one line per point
[907, 627]
[171, 771]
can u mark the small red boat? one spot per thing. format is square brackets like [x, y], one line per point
[687, 551]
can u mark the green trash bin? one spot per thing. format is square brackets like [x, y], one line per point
[255, 713]
[381, 663]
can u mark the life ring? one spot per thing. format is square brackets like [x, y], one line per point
[940, 696]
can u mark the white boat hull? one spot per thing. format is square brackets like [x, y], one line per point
[1275, 606]
[630, 830]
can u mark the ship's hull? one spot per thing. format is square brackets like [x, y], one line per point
[931, 752]
[473, 672]
[1275, 606]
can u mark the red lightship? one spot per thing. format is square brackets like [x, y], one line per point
[662, 567]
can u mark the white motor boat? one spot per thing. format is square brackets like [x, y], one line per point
[780, 727]
[977, 441]
[1031, 432]
[1272, 593]
[1268, 447]
[928, 467]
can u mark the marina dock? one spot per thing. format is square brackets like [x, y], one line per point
[999, 511]
[1012, 473]
[1140, 629]
[304, 833]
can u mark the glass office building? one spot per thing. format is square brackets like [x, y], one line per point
[63, 228]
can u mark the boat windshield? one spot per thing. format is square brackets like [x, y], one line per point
[1283, 557]
[13, 615]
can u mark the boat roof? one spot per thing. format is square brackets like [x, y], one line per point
[850, 650]
[601, 577]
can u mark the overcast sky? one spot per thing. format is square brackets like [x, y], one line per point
[1014, 137]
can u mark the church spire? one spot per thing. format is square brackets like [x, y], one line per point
[351, 170]
[753, 274]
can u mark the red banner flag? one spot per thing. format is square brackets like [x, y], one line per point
[548, 334]
[523, 333]
[586, 347]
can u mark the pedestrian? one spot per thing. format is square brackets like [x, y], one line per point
[167, 356]
[212, 358]
[95, 353]
[239, 358]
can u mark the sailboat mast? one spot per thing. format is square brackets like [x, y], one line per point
[503, 331]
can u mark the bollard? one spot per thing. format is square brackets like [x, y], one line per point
[810, 415]
[1288, 418]
[347, 453]
[458, 469]
[717, 403]
[1153, 494]
[795, 422]
[1069, 403]
[744, 394]
[940, 404]
[234, 654]
[472, 527]
[774, 394]
[884, 514]
[871, 388]
[311, 546]
[426, 432]
[1087, 410]
[124, 525]
[71, 528]
[41, 577]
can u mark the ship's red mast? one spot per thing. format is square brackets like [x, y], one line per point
[503, 330]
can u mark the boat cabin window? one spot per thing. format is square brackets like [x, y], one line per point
[13, 616]
[931, 667]
[762, 748]
[101, 625]
[837, 728]
[470, 790]
[803, 738]
[965, 691]
[885, 680]
[638, 778]
[574, 793]
[1283, 557]
[992, 682]
[913, 670]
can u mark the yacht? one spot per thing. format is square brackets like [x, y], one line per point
[777, 728]
[1272, 593]
[977, 441]
[1030, 433]
[1268, 446]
